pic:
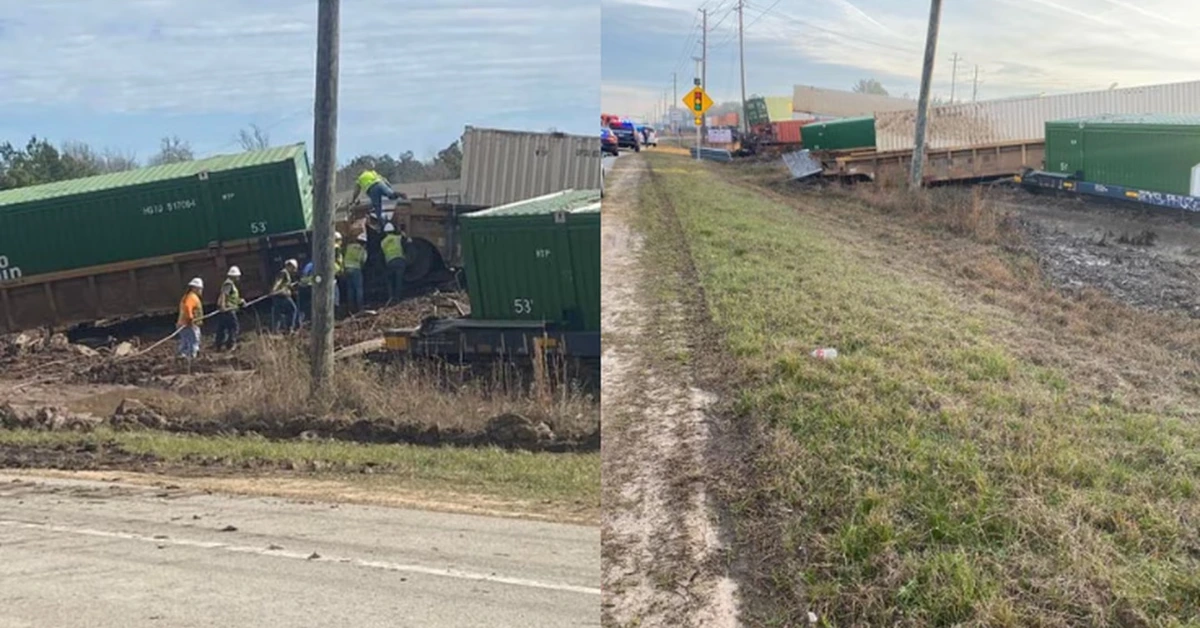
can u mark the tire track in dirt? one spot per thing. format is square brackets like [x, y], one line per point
[662, 553]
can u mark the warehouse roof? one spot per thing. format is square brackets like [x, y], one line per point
[570, 201]
[1166, 119]
[149, 175]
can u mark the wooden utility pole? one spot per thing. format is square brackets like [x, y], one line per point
[674, 99]
[703, 62]
[324, 172]
[742, 55]
[953, 75]
[699, 69]
[918, 158]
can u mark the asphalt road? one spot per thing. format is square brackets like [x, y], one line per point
[98, 554]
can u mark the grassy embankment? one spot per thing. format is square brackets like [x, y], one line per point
[969, 457]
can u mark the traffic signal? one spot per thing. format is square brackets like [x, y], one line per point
[698, 98]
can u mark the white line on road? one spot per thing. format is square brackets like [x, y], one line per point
[371, 564]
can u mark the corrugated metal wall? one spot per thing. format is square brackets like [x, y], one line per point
[502, 166]
[1023, 119]
[843, 104]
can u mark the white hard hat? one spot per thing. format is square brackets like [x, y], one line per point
[293, 263]
[196, 282]
[337, 235]
[234, 271]
[362, 237]
[389, 228]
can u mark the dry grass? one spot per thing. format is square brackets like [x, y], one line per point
[983, 452]
[431, 394]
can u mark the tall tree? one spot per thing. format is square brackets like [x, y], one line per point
[173, 150]
[103, 162]
[39, 162]
[870, 86]
[254, 138]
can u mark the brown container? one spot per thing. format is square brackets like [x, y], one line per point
[788, 131]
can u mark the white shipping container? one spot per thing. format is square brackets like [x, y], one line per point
[501, 166]
[1024, 119]
[837, 103]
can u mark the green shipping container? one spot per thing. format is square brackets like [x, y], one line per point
[842, 134]
[152, 212]
[536, 260]
[1155, 153]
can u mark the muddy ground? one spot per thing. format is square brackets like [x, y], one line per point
[1146, 258]
[49, 383]
[106, 358]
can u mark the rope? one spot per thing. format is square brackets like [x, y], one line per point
[176, 332]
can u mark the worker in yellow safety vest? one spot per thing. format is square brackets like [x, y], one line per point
[283, 306]
[338, 257]
[393, 257]
[228, 304]
[376, 188]
[352, 267]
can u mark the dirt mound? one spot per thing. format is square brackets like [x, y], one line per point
[407, 313]
[155, 369]
[48, 418]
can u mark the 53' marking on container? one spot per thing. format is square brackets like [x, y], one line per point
[258, 227]
[523, 306]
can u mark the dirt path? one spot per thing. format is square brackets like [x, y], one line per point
[662, 553]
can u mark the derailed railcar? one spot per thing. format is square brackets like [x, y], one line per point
[123, 244]
[533, 277]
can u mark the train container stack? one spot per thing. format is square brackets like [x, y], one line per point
[533, 278]
[1152, 159]
[125, 243]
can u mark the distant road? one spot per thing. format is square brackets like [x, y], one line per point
[100, 555]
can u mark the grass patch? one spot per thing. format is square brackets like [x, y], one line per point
[556, 478]
[440, 394]
[933, 475]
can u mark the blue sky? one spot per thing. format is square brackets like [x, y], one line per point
[121, 74]
[1021, 46]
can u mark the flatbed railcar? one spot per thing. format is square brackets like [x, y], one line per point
[1071, 184]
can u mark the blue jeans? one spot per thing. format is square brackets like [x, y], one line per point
[304, 303]
[283, 313]
[189, 341]
[395, 277]
[377, 192]
[354, 288]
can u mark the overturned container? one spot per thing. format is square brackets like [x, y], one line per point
[536, 260]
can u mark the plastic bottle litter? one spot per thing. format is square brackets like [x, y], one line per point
[825, 354]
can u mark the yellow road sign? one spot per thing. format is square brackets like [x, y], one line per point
[699, 120]
[697, 101]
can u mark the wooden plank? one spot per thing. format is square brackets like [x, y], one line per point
[48, 287]
[8, 315]
[96, 305]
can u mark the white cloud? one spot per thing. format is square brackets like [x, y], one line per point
[1020, 46]
[403, 64]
